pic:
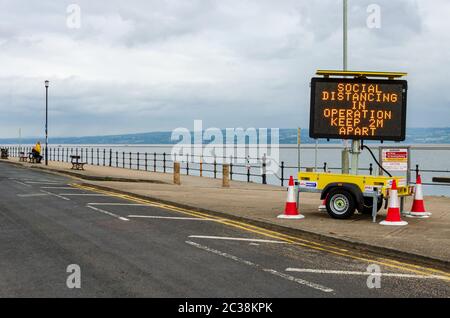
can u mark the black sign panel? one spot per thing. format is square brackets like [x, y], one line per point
[367, 109]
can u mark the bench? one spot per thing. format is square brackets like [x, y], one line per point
[23, 157]
[33, 159]
[76, 163]
[4, 153]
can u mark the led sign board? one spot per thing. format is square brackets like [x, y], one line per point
[367, 109]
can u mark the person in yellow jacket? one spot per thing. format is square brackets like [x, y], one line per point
[36, 152]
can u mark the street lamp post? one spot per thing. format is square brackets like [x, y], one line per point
[46, 122]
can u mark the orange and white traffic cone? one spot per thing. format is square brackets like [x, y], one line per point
[418, 207]
[393, 214]
[323, 206]
[291, 211]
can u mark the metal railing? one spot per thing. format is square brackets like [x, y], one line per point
[190, 164]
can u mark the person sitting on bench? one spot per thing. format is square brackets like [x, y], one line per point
[36, 152]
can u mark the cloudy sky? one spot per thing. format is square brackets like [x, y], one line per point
[138, 66]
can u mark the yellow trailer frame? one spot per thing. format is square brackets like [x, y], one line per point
[366, 191]
[319, 181]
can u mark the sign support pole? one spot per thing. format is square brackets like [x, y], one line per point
[345, 151]
[356, 150]
[299, 135]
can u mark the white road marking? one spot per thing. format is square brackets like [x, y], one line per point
[236, 239]
[84, 194]
[56, 195]
[259, 267]
[29, 195]
[167, 218]
[336, 272]
[108, 213]
[19, 182]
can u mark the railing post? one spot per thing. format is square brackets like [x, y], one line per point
[117, 159]
[131, 159]
[231, 167]
[282, 173]
[164, 162]
[146, 167]
[98, 157]
[138, 161]
[264, 172]
[187, 164]
[215, 168]
[123, 159]
[110, 157]
[417, 172]
[371, 169]
[324, 167]
[154, 162]
[104, 157]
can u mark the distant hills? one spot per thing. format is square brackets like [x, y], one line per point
[287, 136]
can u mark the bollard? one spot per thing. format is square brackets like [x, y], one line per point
[176, 173]
[226, 175]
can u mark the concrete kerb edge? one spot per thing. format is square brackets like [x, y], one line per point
[340, 242]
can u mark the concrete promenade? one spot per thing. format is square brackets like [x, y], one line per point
[424, 239]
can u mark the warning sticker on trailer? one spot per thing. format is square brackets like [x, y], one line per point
[308, 184]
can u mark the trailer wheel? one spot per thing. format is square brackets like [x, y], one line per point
[368, 203]
[340, 204]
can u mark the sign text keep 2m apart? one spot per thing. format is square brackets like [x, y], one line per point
[349, 120]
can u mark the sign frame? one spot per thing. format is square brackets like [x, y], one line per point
[312, 114]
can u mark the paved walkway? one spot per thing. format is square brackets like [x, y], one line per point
[429, 238]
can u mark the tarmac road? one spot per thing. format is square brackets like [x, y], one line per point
[130, 248]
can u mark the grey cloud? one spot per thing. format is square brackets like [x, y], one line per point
[156, 65]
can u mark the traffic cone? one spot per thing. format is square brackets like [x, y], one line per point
[291, 211]
[323, 206]
[393, 214]
[418, 208]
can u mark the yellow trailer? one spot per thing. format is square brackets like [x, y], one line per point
[344, 193]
